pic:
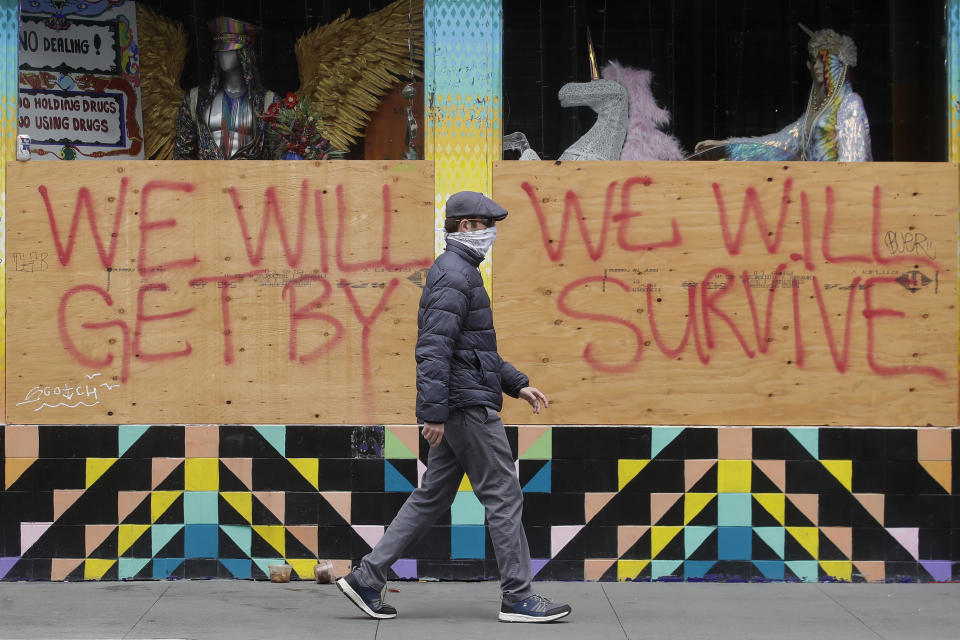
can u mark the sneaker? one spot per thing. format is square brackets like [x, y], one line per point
[369, 600]
[536, 608]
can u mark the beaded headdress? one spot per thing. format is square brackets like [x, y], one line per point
[230, 34]
[832, 42]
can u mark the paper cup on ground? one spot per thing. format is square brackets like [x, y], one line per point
[280, 572]
[323, 572]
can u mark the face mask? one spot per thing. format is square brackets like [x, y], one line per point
[480, 241]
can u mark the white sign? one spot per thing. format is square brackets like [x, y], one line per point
[83, 118]
[79, 80]
[87, 45]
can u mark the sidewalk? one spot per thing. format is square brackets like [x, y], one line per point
[245, 610]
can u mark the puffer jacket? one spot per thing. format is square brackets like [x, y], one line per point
[457, 360]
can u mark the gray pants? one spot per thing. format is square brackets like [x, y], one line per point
[474, 441]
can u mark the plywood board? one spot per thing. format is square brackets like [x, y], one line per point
[730, 293]
[215, 292]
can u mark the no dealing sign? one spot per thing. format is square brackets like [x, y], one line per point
[86, 45]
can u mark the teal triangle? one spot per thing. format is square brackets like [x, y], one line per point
[806, 570]
[264, 563]
[241, 536]
[693, 537]
[662, 436]
[540, 482]
[393, 480]
[773, 536]
[127, 435]
[160, 535]
[130, 567]
[276, 435]
[663, 568]
[809, 437]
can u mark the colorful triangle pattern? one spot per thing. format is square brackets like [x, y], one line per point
[659, 508]
[796, 542]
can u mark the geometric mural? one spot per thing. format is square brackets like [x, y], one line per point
[601, 503]
[764, 504]
[150, 502]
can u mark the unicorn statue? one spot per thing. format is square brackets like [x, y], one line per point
[628, 125]
[608, 99]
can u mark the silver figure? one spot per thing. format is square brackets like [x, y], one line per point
[234, 90]
[833, 127]
[604, 140]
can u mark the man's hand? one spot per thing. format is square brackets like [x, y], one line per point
[432, 432]
[535, 397]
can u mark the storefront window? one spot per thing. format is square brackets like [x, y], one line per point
[725, 69]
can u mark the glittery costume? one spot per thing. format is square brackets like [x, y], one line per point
[835, 130]
[241, 130]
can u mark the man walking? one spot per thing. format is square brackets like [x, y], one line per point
[460, 383]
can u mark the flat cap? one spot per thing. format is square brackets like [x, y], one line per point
[230, 34]
[465, 204]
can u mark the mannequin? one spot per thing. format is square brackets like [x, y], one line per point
[221, 121]
[833, 127]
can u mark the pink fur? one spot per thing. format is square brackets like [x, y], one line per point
[644, 140]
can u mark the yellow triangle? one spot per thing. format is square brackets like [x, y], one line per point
[465, 484]
[242, 501]
[303, 567]
[274, 534]
[808, 537]
[842, 470]
[96, 467]
[14, 468]
[839, 569]
[630, 569]
[160, 501]
[693, 503]
[94, 568]
[774, 503]
[627, 470]
[660, 537]
[127, 535]
[939, 470]
[309, 468]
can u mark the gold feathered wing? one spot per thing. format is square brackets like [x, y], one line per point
[163, 48]
[347, 66]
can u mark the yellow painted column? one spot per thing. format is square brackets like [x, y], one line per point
[9, 27]
[463, 85]
[953, 86]
[462, 82]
